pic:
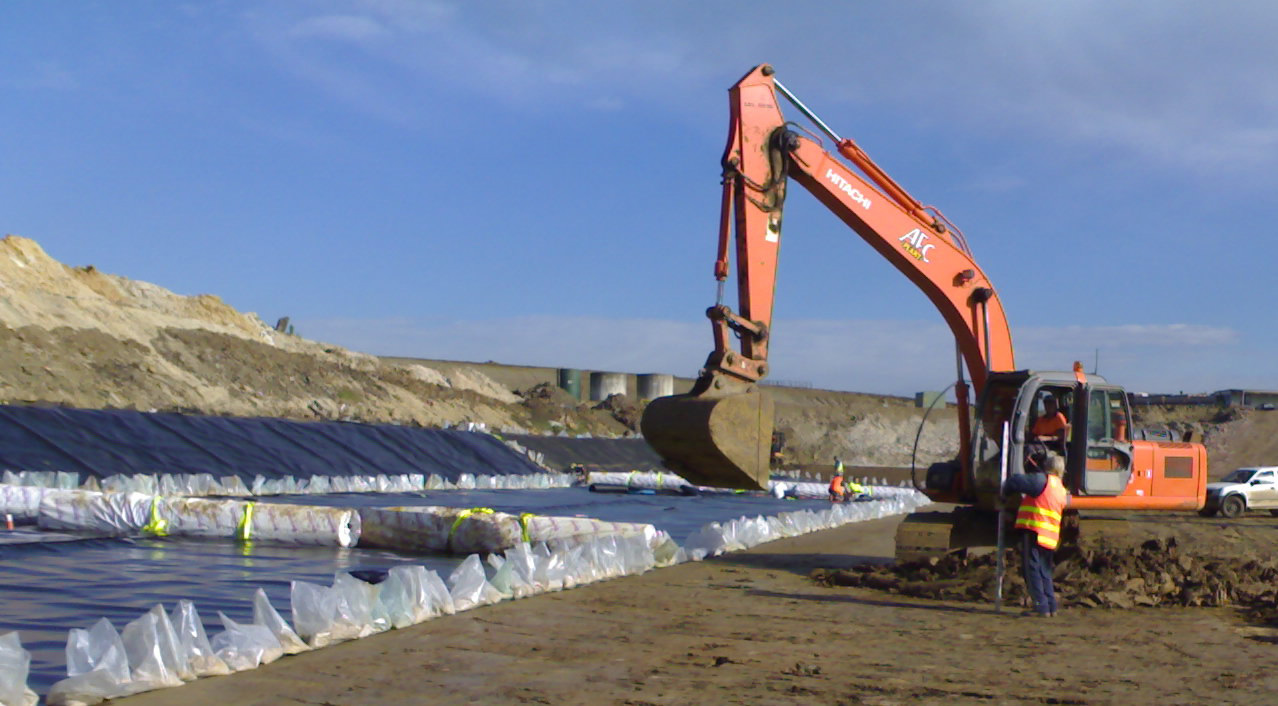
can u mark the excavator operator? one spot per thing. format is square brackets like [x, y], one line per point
[1051, 427]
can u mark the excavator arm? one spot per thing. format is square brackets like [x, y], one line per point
[719, 433]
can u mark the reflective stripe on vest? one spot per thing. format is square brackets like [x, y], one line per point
[1042, 514]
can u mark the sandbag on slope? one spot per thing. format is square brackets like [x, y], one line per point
[22, 502]
[135, 513]
[456, 530]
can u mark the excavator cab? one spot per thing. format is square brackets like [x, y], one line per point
[1098, 455]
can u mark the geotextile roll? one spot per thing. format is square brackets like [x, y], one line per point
[123, 514]
[453, 530]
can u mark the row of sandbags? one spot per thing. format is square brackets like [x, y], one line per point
[650, 480]
[452, 530]
[745, 532]
[165, 649]
[429, 529]
[205, 484]
[131, 514]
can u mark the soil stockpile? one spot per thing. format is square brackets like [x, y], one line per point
[1191, 564]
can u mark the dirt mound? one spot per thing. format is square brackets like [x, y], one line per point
[1235, 437]
[622, 409]
[79, 337]
[1098, 572]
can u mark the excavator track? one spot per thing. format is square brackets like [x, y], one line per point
[927, 534]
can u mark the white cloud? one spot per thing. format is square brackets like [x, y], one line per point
[1127, 336]
[891, 357]
[1179, 83]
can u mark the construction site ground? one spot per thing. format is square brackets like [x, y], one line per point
[754, 628]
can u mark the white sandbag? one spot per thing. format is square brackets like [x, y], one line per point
[438, 529]
[469, 586]
[245, 646]
[634, 479]
[151, 646]
[363, 603]
[405, 596]
[193, 642]
[321, 615]
[507, 579]
[97, 667]
[265, 614]
[521, 560]
[21, 501]
[440, 597]
[550, 566]
[15, 664]
[113, 514]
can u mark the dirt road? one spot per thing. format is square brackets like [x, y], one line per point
[751, 628]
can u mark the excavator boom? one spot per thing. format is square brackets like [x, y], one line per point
[719, 434]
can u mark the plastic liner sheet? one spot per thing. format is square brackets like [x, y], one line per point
[128, 514]
[454, 530]
[676, 515]
[48, 589]
[126, 577]
[614, 455]
[103, 443]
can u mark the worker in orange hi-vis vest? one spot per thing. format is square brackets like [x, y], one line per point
[1038, 521]
[836, 483]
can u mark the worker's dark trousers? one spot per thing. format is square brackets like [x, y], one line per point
[1037, 565]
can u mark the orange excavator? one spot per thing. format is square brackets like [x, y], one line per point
[720, 433]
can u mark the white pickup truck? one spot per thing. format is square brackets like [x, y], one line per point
[1242, 490]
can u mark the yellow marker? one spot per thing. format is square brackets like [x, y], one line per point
[245, 530]
[467, 513]
[157, 526]
[523, 525]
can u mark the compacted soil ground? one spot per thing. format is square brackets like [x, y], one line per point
[754, 628]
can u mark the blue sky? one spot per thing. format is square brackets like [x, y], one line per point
[537, 182]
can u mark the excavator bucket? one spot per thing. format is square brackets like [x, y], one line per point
[718, 435]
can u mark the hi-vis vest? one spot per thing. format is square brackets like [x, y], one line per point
[1042, 514]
